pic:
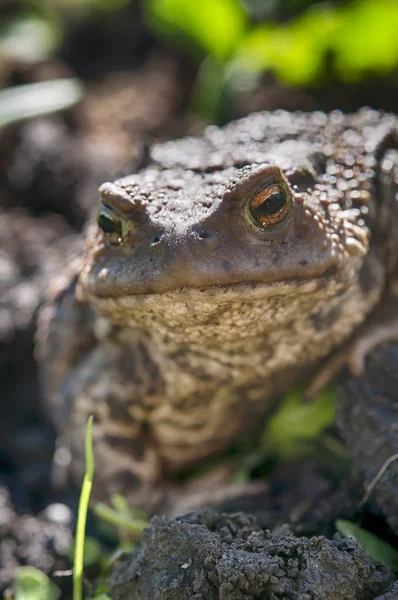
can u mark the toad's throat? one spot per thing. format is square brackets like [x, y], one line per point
[228, 316]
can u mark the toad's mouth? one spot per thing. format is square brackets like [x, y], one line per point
[221, 314]
[104, 283]
[219, 293]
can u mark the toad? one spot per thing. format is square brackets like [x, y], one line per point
[227, 269]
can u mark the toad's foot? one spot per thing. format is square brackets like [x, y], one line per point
[187, 500]
[354, 355]
[211, 489]
[375, 336]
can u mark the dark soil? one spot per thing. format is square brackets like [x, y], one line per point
[41, 541]
[304, 493]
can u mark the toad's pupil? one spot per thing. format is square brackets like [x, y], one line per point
[109, 225]
[272, 205]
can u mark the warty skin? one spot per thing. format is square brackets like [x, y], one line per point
[186, 319]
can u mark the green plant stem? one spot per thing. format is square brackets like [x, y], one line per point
[120, 520]
[82, 515]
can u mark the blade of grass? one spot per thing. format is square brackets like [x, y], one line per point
[82, 515]
[38, 99]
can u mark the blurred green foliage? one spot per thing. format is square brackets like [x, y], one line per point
[215, 28]
[32, 584]
[296, 429]
[303, 42]
[351, 40]
[107, 5]
[129, 522]
[378, 549]
[347, 41]
[358, 37]
[38, 27]
[296, 421]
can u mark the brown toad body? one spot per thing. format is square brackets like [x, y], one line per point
[227, 269]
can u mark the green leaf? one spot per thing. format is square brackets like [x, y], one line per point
[216, 26]
[32, 584]
[367, 39]
[119, 503]
[296, 51]
[120, 520]
[296, 421]
[359, 37]
[38, 99]
[378, 549]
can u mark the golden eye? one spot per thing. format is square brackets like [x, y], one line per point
[110, 224]
[270, 205]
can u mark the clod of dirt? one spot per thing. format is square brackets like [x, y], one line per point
[47, 169]
[32, 251]
[40, 541]
[208, 555]
[367, 416]
[391, 593]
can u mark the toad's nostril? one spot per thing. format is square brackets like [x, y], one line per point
[156, 239]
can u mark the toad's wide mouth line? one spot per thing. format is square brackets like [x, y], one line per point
[252, 287]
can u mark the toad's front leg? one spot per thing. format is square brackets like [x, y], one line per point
[86, 371]
[116, 385]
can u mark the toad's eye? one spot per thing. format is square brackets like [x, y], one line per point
[109, 222]
[270, 205]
